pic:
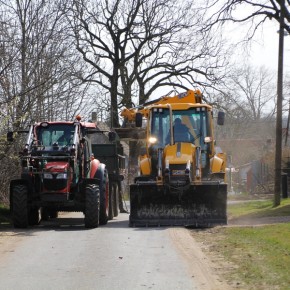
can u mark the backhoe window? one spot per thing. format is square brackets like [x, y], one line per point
[188, 126]
[55, 134]
[196, 122]
[160, 125]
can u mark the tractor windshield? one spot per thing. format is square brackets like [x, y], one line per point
[50, 134]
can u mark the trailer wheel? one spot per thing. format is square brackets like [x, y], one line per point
[104, 198]
[92, 206]
[33, 218]
[116, 200]
[19, 206]
[111, 201]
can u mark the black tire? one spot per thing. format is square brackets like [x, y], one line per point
[92, 206]
[33, 218]
[104, 214]
[19, 206]
[116, 200]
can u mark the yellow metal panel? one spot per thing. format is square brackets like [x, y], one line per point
[145, 166]
[216, 164]
[187, 151]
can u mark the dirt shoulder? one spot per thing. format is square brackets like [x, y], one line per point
[202, 265]
[209, 240]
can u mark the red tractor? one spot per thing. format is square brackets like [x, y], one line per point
[59, 173]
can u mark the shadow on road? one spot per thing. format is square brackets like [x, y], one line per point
[66, 222]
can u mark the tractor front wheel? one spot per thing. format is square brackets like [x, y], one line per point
[92, 206]
[20, 206]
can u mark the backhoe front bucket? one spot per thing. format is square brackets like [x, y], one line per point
[202, 205]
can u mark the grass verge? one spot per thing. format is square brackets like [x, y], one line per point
[251, 257]
[262, 208]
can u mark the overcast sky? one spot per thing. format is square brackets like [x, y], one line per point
[263, 49]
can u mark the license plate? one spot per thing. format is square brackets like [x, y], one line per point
[178, 172]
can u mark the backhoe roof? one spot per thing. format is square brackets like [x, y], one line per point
[178, 106]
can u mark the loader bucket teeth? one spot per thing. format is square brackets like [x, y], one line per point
[199, 206]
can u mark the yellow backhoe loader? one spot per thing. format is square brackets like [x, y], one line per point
[181, 179]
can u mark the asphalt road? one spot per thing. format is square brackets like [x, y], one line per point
[62, 254]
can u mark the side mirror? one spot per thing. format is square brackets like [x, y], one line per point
[139, 119]
[221, 118]
[112, 136]
[10, 136]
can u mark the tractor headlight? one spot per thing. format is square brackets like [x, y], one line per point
[61, 176]
[47, 176]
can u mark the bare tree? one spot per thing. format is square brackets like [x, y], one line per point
[134, 47]
[251, 90]
[257, 13]
[252, 11]
[38, 71]
[247, 97]
[38, 64]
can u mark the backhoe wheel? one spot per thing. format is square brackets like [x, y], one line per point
[33, 218]
[19, 206]
[92, 206]
[104, 198]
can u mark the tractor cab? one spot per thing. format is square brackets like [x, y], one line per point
[58, 134]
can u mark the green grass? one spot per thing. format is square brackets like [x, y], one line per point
[261, 208]
[262, 255]
[259, 255]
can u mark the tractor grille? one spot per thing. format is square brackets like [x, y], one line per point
[54, 183]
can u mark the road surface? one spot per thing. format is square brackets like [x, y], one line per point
[62, 254]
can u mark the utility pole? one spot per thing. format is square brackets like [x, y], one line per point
[278, 152]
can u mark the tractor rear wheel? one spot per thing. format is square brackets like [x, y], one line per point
[92, 206]
[19, 206]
